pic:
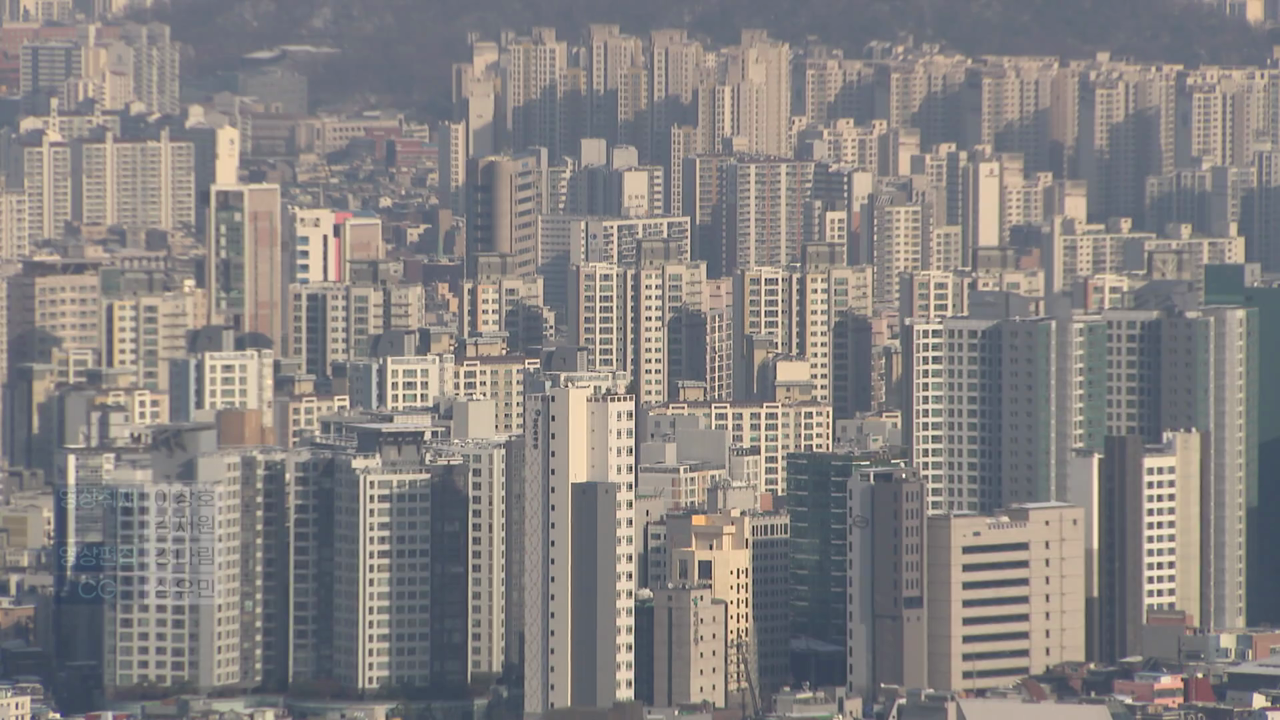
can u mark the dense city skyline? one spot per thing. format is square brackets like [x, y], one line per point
[647, 376]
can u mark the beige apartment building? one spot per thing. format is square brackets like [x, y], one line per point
[1005, 594]
[713, 550]
[690, 651]
[500, 378]
[145, 332]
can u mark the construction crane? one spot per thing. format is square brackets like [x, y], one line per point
[741, 648]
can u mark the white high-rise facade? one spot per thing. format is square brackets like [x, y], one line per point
[625, 317]
[142, 184]
[766, 202]
[579, 438]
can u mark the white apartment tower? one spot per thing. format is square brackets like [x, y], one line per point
[534, 82]
[156, 66]
[983, 439]
[1149, 518]
[625, 316]
[201, 542]
[142, 184]
[398, 594]
[765, 211]
[580, 544]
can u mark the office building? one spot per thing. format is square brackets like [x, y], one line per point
[1004, 594]
[889, 563]
[203, 383]
[819, 488]
[246, 260]
[502, 205]
[724, 549]
[298, 413]
[414, 382]
[323, 243]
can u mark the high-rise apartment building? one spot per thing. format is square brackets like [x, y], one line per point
[401, 603]
[921, 92]
[896, 236]
[144, 332]
[15, 232]
[626, 317]
[801, 311]
[330, 321]
[1219, 349]
[498, 301]
[1009, 104]
[535, 82]
[777, 428]
[53, 303]
[39, 11]
[1072, 249]
[676, 67]
[617, 87]
[104, 181]
[486, 540]
[246, 260]
[45, 67]
[143, 184]
[191, 492]
[1126, 133]
[579, 544]
[704, 199]
[454, 156]
[764, 211]
[1149, 519]
[501, 378]
[157, 63]
[757, 80]
[979, 438]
